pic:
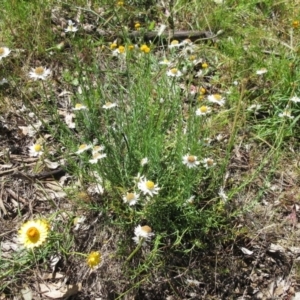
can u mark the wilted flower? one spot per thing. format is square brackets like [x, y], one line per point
[190, 161]
[39, 73]
[4, 51]
[142, 232]
[34, 233]
[148, 187]
[131, 198]
[93, 259]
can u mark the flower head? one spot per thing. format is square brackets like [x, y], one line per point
[203, 110]
[97, 149]
[208, 163]
[109, 105]
[131, 198]
[148, 187]
[295, 99]
[145, 49]
[261, 71]
[254, 107]
[190, 161]
[174, 72]
[216, 98]
[79, 106]
[296, 24]
[174, 44]
[94, 259]
[144, 161]
[286, 114]
[71, 27]
[35, 150]
[83, 148]
[39, 73]
[142, 232]
[97, 156]
[33, 233]
[4, 51]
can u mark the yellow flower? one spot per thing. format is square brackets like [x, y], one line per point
[204, 65]
[113, 46]
[296, 24]
[120, 3]
[34, 233]
[145, 48]
[137, 26]
[94, 259]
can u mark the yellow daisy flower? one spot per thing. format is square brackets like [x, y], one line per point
[34, 233]
[94, 259]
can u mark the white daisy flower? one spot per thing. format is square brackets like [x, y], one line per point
[216, 98]
[203, 110]
[71, 27]
[190, 201]
[261, 71]
[295, 99]
[174, 44]
[39, 73]
[190, 161]
[83, 148]
[79, 106]
[97, 156]
[142, 232]
[35, 150]
[144, 161]
[208, 163]
[109, 105]
[174, 72]
[286, 114]
[254, 107]
[4, 51]
[131, 198]
[165, 62]
[97, 149]
[148, 187]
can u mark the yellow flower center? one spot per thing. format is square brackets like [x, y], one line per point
[217, 97]
[203, 109]
[146, 228]
[108, 104]
[174, 71]
[191, 158]
[78, 105]
[174, 42]
[202, 90]
[2, 51]
[83, 146]
[204, 65]
[33, 234]
[37, 147]
[129, 197]
[39, 71]
[121, 49]
[113, 46]
[192, 57]
[210, 162]
[150, 185]
[130, 47]
[120, 3]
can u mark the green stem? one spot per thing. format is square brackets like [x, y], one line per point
[138, 247]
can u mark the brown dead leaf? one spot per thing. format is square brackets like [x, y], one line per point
[57, 291]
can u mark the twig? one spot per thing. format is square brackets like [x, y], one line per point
[17, 197]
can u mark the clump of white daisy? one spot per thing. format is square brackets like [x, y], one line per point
[82, 148]
[79, 106]
[131, 198]
[4, 51]
[286, 114]
[109, 105]
[39, 73]
[203, 110]
[148, 187]
[71, 27]
[174, 72]
[142, 233]
[216, 98]
[35, 150]
[208, 163]
[190, 161]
